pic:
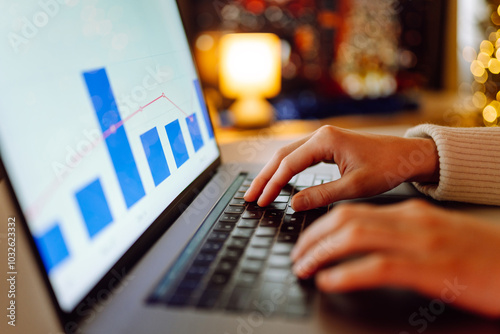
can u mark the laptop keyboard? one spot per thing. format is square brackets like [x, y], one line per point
[242, 263]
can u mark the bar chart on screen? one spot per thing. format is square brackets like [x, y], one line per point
[180, 137]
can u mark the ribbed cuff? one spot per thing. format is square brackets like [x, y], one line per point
[469, 162]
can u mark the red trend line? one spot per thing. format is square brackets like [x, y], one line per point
[34, 208]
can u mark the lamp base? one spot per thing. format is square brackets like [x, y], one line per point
[253, 112]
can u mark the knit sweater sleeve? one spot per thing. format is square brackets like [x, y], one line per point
[469, 162]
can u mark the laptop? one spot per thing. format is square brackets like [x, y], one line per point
[134, 222]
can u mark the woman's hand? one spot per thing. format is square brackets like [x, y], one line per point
[369, 165]
[412, 245]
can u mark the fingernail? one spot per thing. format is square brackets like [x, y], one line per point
[294, 253]
[301, 202]
[298, 269]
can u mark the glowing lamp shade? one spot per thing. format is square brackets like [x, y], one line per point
[250, 70]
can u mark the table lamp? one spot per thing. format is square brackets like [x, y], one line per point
[250, 72]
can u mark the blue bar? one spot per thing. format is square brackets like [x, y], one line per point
[177, 143]
[118, 145]
[155, 155]
[94, 207]
[203, 106]
[52, 247]
[194, 131]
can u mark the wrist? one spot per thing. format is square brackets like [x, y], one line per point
[423, 156]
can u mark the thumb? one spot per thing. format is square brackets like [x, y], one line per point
[347, 187]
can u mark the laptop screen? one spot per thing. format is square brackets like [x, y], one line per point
[103, 124]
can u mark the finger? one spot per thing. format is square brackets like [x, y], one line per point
[329, 223]
[371, 271]
[355, 238]
[347, 187]
[270, 168]
[304, 156]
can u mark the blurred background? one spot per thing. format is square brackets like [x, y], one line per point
[351, 63]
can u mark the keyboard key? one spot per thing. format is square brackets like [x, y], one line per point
[262, 242]
[277, 206]
[289, 210]
[223, 227]
[252, 266]
[255, 207]
[287, 237]
[282, 199]
[229, 217]
[285, 192]
[279, 275]
[247, 183]
[279, 261]
[209, 298]
[257, 253]
[319, 211]
[266, 231]
[239, 300]
[242, 233]
[225, 267]
[237, 243]
[218, 236]
[211, 247]
[238, 202]
[291, 228]
[243, 189]
[246, 279]
[324, 177]
[270, 222]
[234, 209]
[300, 294]
[248, 223]
[204, 259]
[275, 292]
[231, 254]
[219, 279]
[296, 218]
[304, 180]
[252, 214]
[196, 272]
[282, 248]
[273, 214]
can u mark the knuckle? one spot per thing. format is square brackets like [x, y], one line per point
[327, 130]
[433, 242]
[354, 231]
[343, 212]
[281, 153]
[382, 265]
[286, 165]
[322, 196]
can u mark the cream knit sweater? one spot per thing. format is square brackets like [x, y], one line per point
[469, 162]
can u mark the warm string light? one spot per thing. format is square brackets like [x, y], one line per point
[485, 65]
